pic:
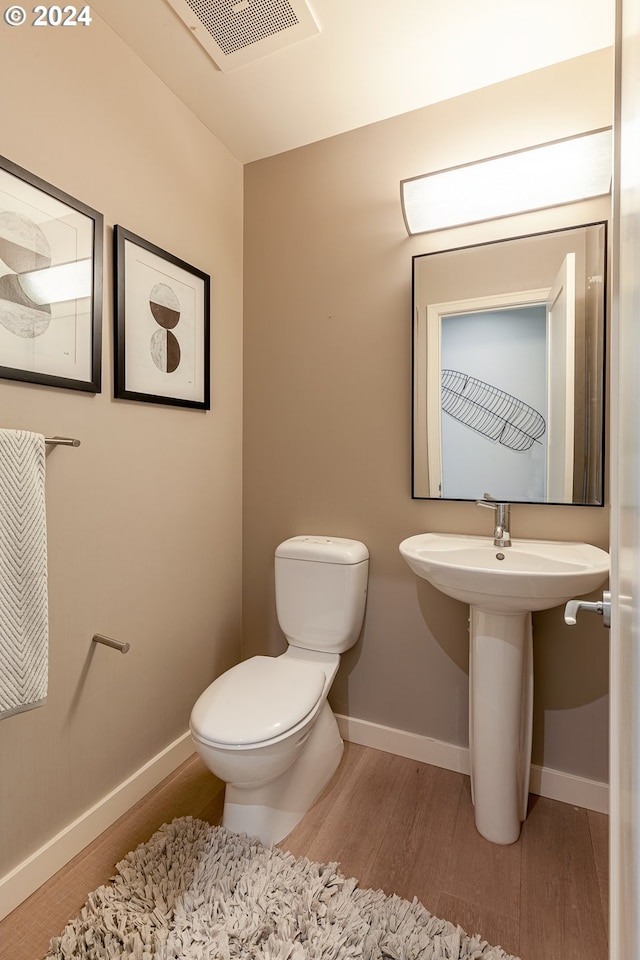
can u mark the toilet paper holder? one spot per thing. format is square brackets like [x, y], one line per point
[110, 642]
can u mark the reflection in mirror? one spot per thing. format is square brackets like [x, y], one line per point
[508, 369]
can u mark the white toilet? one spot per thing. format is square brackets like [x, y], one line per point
[265, 726]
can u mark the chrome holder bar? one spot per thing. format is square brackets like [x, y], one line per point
[109, 642]
[601, 607]
[62, 441]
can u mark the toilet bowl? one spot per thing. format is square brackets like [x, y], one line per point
[265, 727]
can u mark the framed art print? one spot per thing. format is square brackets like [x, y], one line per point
[162, 325]
[50, 284]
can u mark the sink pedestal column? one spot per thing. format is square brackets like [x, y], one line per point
[500, 720]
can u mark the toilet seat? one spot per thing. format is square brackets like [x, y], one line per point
[257, 700]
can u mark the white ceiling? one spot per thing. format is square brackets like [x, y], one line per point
[372, 59]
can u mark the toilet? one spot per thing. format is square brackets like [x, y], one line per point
[265, 726]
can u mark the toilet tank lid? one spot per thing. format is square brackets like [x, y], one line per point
[323, 549]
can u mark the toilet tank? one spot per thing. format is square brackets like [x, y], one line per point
[321, 591]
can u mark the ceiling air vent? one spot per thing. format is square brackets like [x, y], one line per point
[234, 32]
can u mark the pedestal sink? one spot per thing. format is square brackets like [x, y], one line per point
[503, 585]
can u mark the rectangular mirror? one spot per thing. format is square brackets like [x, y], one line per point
[508, 369]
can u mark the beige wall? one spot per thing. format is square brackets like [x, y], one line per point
[327, 406]
[144, 518]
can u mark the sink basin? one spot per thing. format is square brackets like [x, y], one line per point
[529, 575]
[503, 586]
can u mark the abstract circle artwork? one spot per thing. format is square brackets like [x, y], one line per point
[164, 346]
[23, 248]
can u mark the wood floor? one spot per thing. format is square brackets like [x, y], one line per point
[395, 824]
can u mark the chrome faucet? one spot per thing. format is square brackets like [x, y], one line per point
[501, 534]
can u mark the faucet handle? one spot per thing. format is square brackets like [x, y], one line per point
[488, 502]
[493, 504]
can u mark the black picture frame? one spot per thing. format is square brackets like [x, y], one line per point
[157, 293]
[51, 276]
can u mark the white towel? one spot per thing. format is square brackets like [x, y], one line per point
[24, 630]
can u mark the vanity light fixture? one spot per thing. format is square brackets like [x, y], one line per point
[563, 171]
[64, 281]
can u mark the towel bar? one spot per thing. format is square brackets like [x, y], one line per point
[62, 441]
[108, 642]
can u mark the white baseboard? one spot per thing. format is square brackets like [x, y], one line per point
[24, 879]
[554, 784]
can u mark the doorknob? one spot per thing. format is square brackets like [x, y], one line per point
[603, 607]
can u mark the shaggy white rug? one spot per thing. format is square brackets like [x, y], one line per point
[197, 892]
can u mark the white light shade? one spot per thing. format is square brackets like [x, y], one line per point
[546, 176]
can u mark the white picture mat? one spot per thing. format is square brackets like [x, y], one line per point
[143, 270]
[65, 348]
